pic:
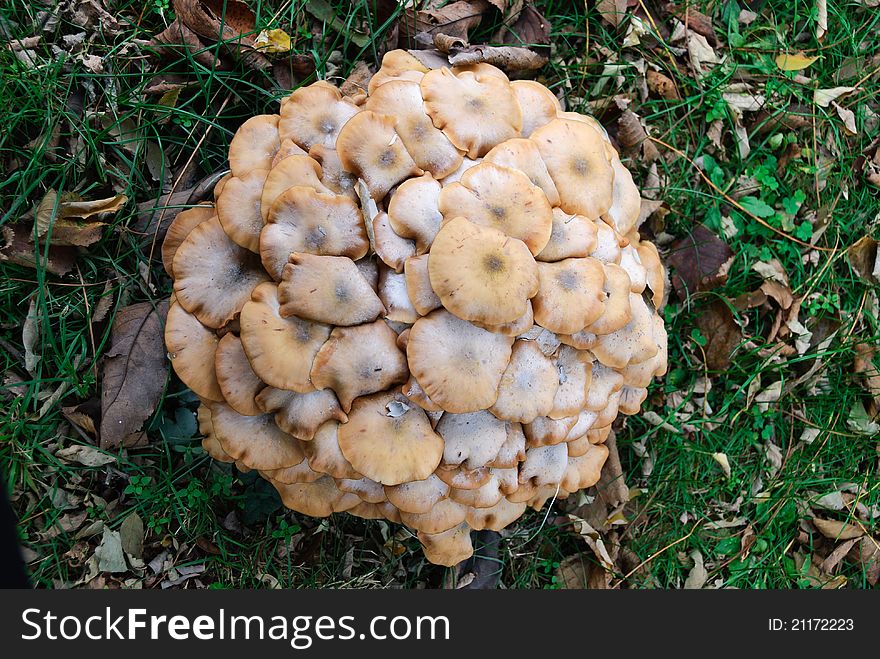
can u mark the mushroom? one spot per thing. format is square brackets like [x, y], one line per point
[395, 297]
[255, 440]
[300, 171]
[239, 209]
[320, 498]
[537, 103]
[481, 274]
[314, 115]
[333, 174]
[392, 248]
[325, 456]
[397, 65]
[417, 496]
[472, 439]
[237, 380]
[448, 547]
[523, 155]
[572, 236]
[254, 144]
[495, 518]
[301, 415]
[191, 348]
[528, 386]
[179, 229]
[414, 211]
[570, 295]
[418, 285]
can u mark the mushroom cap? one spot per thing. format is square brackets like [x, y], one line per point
[449, 547]
[458, 365]
[502, 198]
[304, 220]
[544, 431]
[633, 342]
[255, 440]
[333, 174]
[575, 371]
[239, 209]
[294, 170]
[414, 211]
[299, 473]
[390, 441]
[280, 350]
[418, 285]
[314, 115]
[472, 439]
[417, 496]
[186, 221]
[327, 289]
[320, 498]
[395, 297]
[514, 328]
[538, 104]
[461, 478]
[585, 470]
[618, 306]
[397, 64]
[513, 451]
[544, 465]
[191, 348]
[237, 380]
[444, 515]
[357, 361]
[475, 109]
[571, 295]
[254, 144]
[324, 454]
[579, 165]
[481, 274]
[523, 155]
[214, 276]
[370, 147]
[499, 516]
[572, 236]
[528, 386]
[392, 248]
[626, 202]
[301, 415]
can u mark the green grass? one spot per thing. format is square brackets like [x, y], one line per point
[204, 512]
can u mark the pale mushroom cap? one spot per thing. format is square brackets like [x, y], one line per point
[476, 110]
[238, 208]
[367, 490]
[414, 211]
[572, 236]
[544, 465]
[288, 148]
[631, 262]
[255, 440]
[429, 147]
[584, 471]
[392, 248]
[571, 295]
[575, 371]
[237, 380]
[603, 383]
[314, 115]
[300, 171]
[191, 348]
[626, 202]
[417, 496]
[458, 365]
[299, 473]
[415, 394]
[370, 148]
[579, 165]
[327, 289]
[499, 516]
[528, 386]
[608, 243]
[634, 342]
[396, 63]
[480, 273]
[333, 174]
[214, 276]
[445, 514]
[514, 328]
[513, 451]
[304, 220]
[179, 229]
[449, 547]
[300, 415]
[357, 361]
[395, 297]
[462, 478]
[418, 285]
[280, 350]
[618, 307]
[254, 144]
[390, 441]
[502, 198]
[544, 431]
[538, 104]
[523, 155]
[324, 454]
[318, 499]
[472, 439]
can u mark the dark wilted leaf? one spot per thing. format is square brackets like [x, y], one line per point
[717, 325]
[696, 21]
[573, 572]
[633, 138]
[508, 58]
[867, 555]
[661, 85]
[612, 11]
[134, 371]
[178, 37]
[529, 29]
[454, 20]
[357, 80]
[864, 258]
[20, 249]
[696, 261]
[132, 535]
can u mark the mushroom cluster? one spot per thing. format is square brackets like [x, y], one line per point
[425, 303]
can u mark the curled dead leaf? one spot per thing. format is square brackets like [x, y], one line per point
[697, 261]
[836, 530]
[721, 332]
[661, 85]
[508, 58]
[864, 257]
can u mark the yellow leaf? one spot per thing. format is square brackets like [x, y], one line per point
[795, 62]
[273, 41]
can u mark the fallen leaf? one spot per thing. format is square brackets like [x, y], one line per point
[530, 29]
[30, 336]
[721, 459]
[861, 422]
[357, 81]
[134, 371]
[722, 334]
[867, 555]
[847, 117]
[821, 19]
[831, 562]
[771, 270]
[131, 533]
[794, 62]
[612, 11]
[697, 261]
[864, 366]
[88, 456]
[698, 576]
[573, 573]
[836, 530]
[701, 55]
[273, 41]
[109, 553]
[768, 396]
[633, 137]
[661, 85]
[593, 539]
[864, 257]
[454, 20]
[823, 97]
[695, 20]
[508, 58]
[779, 292]
[178, 36]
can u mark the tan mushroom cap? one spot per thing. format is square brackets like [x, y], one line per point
[544, 431]
[214, 276]
[367, 490]
[523, 155]
[220, 184]
[324, 454]
[191, 347]
[603, 383]
[370, 148]
[599, 435]
[318, 499]
[656, 277]
[544, 465]
[390, 441]
[475, 110]
[618, 307]
[513, 451]
[314, 115]
[414, 211]
[575, 371]
[608, 243]
[333, 174]
[418, 285]
[395, 298]
[528, 386]
[444, 515]
[585, 420]
[585, 470]
[582, 340]
[238, 208]
[280, 350]
[415, 394]
[631, 399]
[449, 547]
[455, 176]
[631, 262]
[538, 104]
[304, 220]
[575, 155]
[254, 144]
[472, 439]
[634, 342]
[360, 360]
[641, 374]
[392, 248]
[327, 289]
[300, 473]
[499, 516]
[396, 64]
[578, 446]
[458, 365]
[572, 236]
[288, 148]
[501, 198]
[179, 229]
[300, 171]
[300, 415]
[570, 296]
[481, 274]
[417, 496]
[429, 147]
[626, 202]
[255, 440]
[485, 496]
[514, 328]
[237, 380]
[462, 478]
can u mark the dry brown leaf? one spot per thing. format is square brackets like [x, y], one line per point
[612, 11]
[697, 262]
[864, 366]
[454, 20]
[573, 573]
[508, 58]
[178, 37]
[722, 334]
[661, 85]
[867, 555]
[831, 562]
[88, 456]
[696, 21]
[529, 29]
[357, 81]
[779, 292]
[698, 576]
[633, 138]
[20, 249]
[134, 371]
[864, 257]
[836, 530]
